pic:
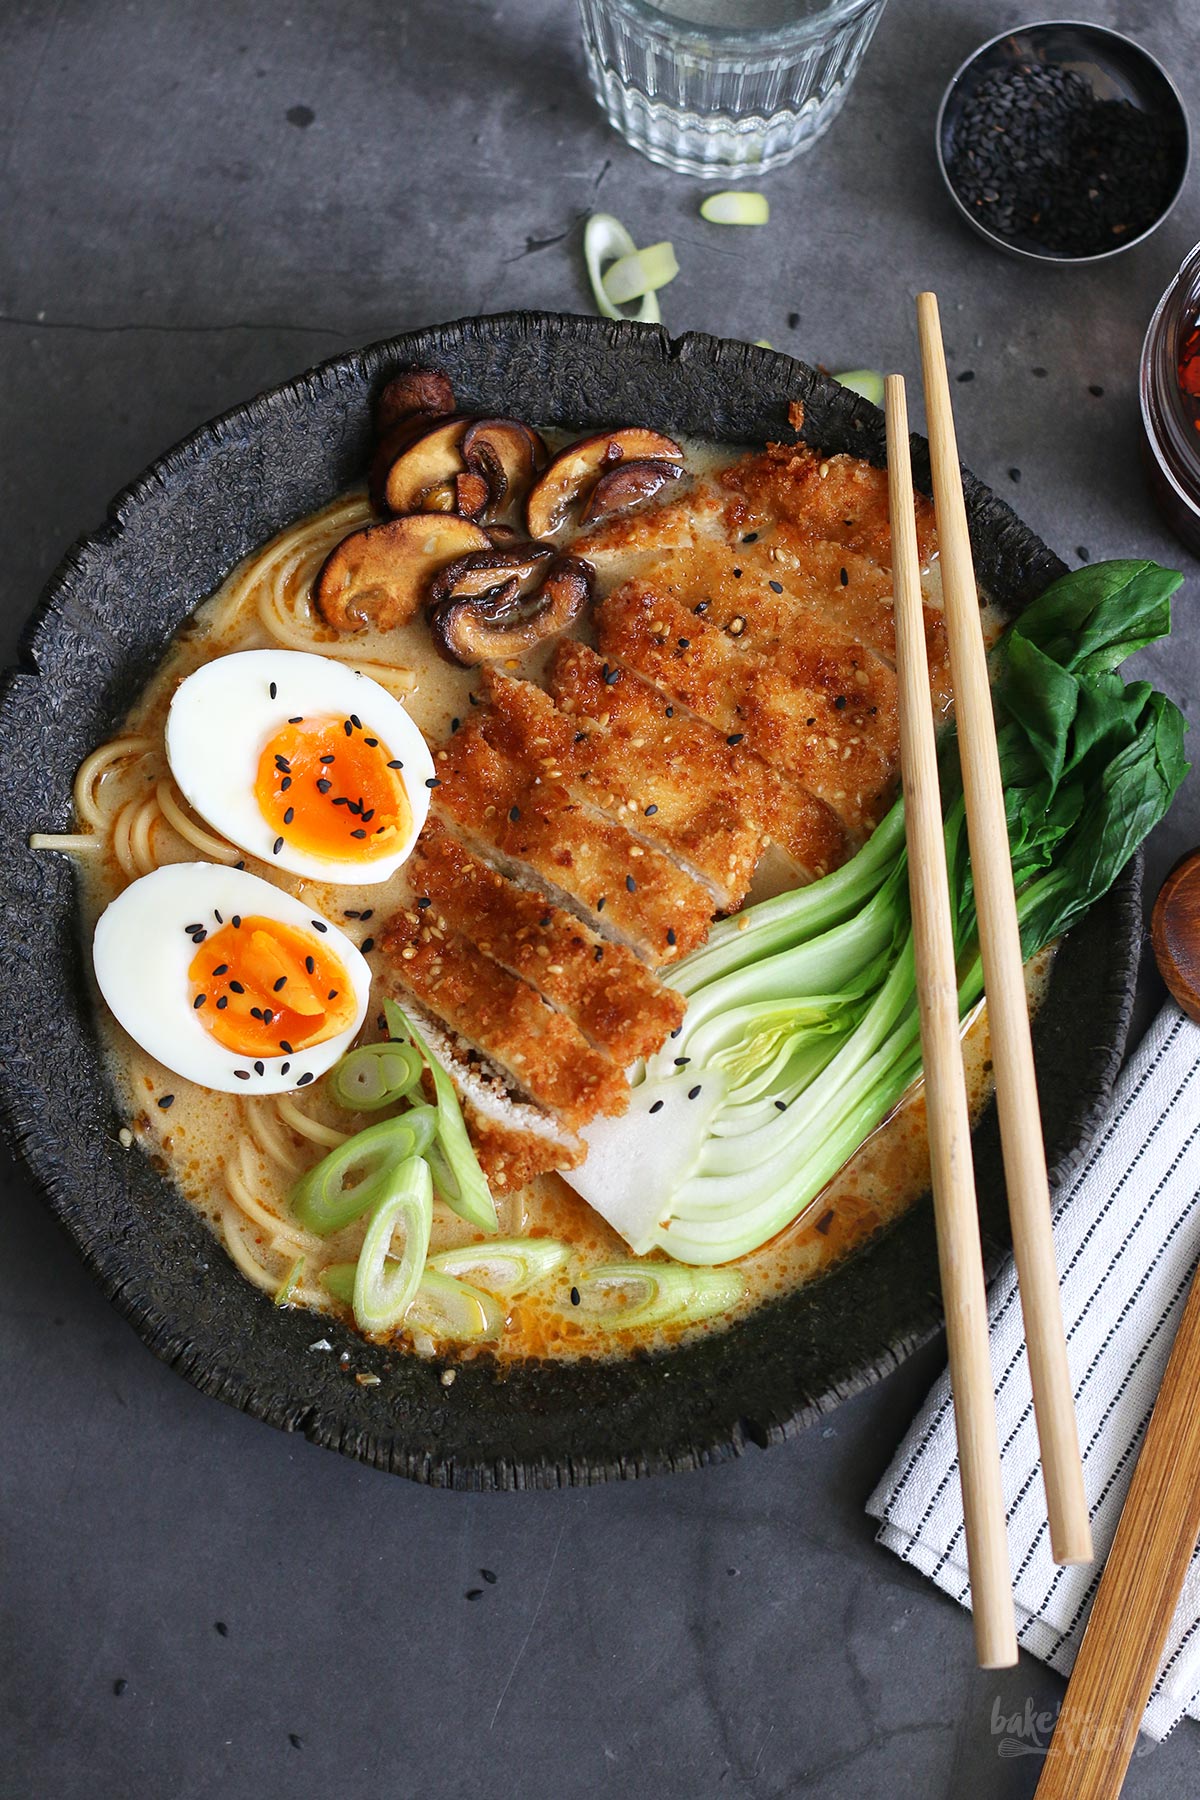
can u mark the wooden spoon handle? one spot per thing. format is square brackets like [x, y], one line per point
[1123, 1644]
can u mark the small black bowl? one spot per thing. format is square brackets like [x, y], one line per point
[1114, 67]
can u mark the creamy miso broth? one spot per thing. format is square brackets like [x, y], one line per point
[236, 1157]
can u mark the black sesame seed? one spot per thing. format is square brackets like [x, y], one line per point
[580, 737]
[223, 1002]
[309, 964]
[598, 953]
[119, 1686]
[277, 846]
[332, 994]
[368, 912]
[670, 936]
[424, 901]
[348, 728]
[657, 1107]
[371, 743]
[283, 765]
[702, 606]
[395, 763]
[737, 574]
[273, 691]
[242, 1074]
[670, 712]
[198, 1002]
[217, 917]
[681, 1062]
[190, 928]
[630, 884]
[489, 1577]
[341, 800]
[324, 785]
[735, 737]
[305, 1079]
[600, 903]
[358, 832]
[608, 676]
[514, 813]
[433, 782]
[236, 922]
[319, 925]
[283, 1067]
[329, 757]
[474, 1593]
[1083, 553]
[844, 575]
[650, 811]
[965, 375]
[289, 815]
[839, 704]
[574, 1296]
[221, 969]
[545, 920]
[793, 320]
[295, 1740]
[367, 945]
[1095, 390]
[776, 587]
[694, 1092]
[280, 985]
[285, 1046]
[750, 537]
[685, 643]
[285, 784]
[781, 1106]
[1014, 474]
[356, 721]
[256, 1012]
[296, 719]
[166, 1100]
[259, 1068]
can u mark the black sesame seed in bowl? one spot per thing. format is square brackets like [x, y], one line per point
[1063, 142]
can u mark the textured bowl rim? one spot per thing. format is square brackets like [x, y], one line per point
[214, 1367]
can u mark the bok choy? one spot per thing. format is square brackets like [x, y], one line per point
[801, 1032]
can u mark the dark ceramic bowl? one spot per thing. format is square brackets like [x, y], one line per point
[97, 635]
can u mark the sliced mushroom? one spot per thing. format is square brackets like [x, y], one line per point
[394, 441]
[484, 570]
[573, 471]
[378, 576]
[495, 625]
[413, 391]
[508, 454]
[625, 485]
[472, 494]
[429, 459]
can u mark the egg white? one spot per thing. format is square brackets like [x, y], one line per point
[223, 716]
[141, 953]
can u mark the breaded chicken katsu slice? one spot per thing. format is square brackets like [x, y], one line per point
[540, 1051]
[837, 498]
[526, 818]
[818, 705]
[688, 778]
[647, 785]
[600, 986]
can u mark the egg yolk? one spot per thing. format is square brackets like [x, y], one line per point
[266, 989]
[331, 788]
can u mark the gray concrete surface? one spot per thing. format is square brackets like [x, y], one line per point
[197, 202]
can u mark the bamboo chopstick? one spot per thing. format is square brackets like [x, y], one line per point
[960, 1255]
[1007, 1004]
[1123, 1644]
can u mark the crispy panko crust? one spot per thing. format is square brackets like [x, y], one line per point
[544, 1055]
[681, 755]
[510, 1157]
[838, 498]
[819, 706]
[527, 817]
[643, 778]
[600, 986]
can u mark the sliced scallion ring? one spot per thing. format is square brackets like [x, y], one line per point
[352, 1177]
[383, 1284]
[605, 240]
[505, 1265]
[867, 382]
[670, 1293]
[447, 1308]
[641, 272]
[456, 1171]
[732, 207]
[375, 1075]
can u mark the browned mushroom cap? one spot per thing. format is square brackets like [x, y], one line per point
[508, 454]
[625, 485]
[377, 576]
[484, 570]
[471, 494]
[496, 625]
[432, 457]
[412, 391]
[571, 473]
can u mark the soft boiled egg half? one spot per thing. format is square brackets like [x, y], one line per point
[301, 761]
[227, 980]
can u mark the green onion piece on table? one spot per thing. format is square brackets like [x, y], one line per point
[287, 1287]
[375, 1076]
[505, 1266]
[866, 382]
[656, 1293]
[641, 272]
[605, 240]
[384, 1285]
[448, 1308]
[735, 207]
[456, 1171]
[343, 1184]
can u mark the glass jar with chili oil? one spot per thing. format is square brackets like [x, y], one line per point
[1169, 389]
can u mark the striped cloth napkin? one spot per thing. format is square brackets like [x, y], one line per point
[1127, 1233]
